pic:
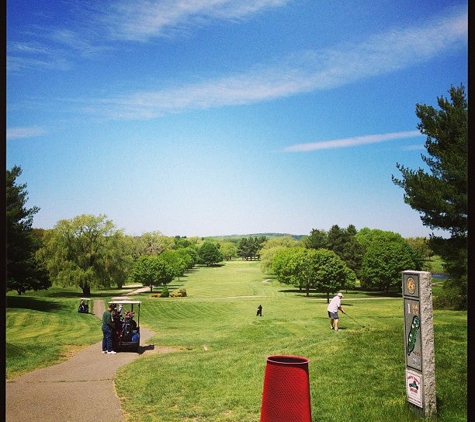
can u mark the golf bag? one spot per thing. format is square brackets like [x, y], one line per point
[127, 328]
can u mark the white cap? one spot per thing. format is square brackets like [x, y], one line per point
[339, 294]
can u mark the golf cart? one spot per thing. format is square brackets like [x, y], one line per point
[126, 316]
[84, 305]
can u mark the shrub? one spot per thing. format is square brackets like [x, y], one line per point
[179, 293]
[155, 295]
[165, 292]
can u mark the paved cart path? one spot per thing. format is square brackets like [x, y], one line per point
[80, 389]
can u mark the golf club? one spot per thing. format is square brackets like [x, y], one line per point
[362, 326]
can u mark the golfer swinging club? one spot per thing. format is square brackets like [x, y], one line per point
[333, 308]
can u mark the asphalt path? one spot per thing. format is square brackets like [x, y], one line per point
[80, 389]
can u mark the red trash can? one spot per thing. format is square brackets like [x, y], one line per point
[286, 393]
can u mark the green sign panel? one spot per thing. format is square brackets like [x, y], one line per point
[412, 321]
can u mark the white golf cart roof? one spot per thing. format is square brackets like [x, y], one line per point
[125, 301]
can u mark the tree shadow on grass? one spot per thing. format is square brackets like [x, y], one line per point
[25, 302]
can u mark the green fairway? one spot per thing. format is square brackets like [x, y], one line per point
[210, 350]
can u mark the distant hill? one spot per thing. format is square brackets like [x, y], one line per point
[232, 237]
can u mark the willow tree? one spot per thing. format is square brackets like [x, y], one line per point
[88, 252]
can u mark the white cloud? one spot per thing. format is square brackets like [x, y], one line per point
[24, 132]
[141, 19]
[34, 55]
[351, 142]
[305, 72]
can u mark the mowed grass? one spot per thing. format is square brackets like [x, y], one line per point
[43, 330]
[210, 351]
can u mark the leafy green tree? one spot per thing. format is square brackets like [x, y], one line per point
[322, 270]
[153, 243]
[209, 254]
[343, 242]
[229, 250]
[86, 251]
[248, 248]
[318, 239]
[189, 255]
[175, 260]
[152, 271]
[440, 195]
[284, 264]
[23, 271]
[386, 255]
[270, 247]
[332, 273]
[421, 245]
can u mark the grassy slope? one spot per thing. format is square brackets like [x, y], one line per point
[356, 374]
[217, 369]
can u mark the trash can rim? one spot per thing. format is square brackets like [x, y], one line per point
[287, 359]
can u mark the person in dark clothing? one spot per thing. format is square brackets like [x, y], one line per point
[259, 310]
[107, 330]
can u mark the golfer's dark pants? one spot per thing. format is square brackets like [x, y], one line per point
[107, 338]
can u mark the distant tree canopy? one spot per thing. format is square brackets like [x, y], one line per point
[440, 195]
[249, 247]
[23, 271]
[341, 241]
[87, 251]
[153, 243]
[228, 249]
[270, 248]
[386, 255]
[307, 269]
[209, 253]
[152, 271]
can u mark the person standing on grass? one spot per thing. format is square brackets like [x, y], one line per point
[333, 308]
[107, 329]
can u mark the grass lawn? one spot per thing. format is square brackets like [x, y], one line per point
[210, 349]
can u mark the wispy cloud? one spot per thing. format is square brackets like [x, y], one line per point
[351, 142]
[142, 19]
[24, 132]
[96, 26]
[34, 55]
[299, 73]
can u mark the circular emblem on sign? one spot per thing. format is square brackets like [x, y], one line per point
[411, 285]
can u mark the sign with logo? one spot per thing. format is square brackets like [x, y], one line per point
[419, 341]
[414, 387]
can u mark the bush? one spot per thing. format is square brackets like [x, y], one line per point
[165, 292]
[155, 295]
[179, 293]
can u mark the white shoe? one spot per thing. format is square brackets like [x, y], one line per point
[111, 353]
[104, 352]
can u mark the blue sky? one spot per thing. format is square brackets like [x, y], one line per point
[215, 117]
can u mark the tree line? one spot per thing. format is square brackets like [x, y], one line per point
[89, 252]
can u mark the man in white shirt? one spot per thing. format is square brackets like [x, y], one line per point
[333, 308]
